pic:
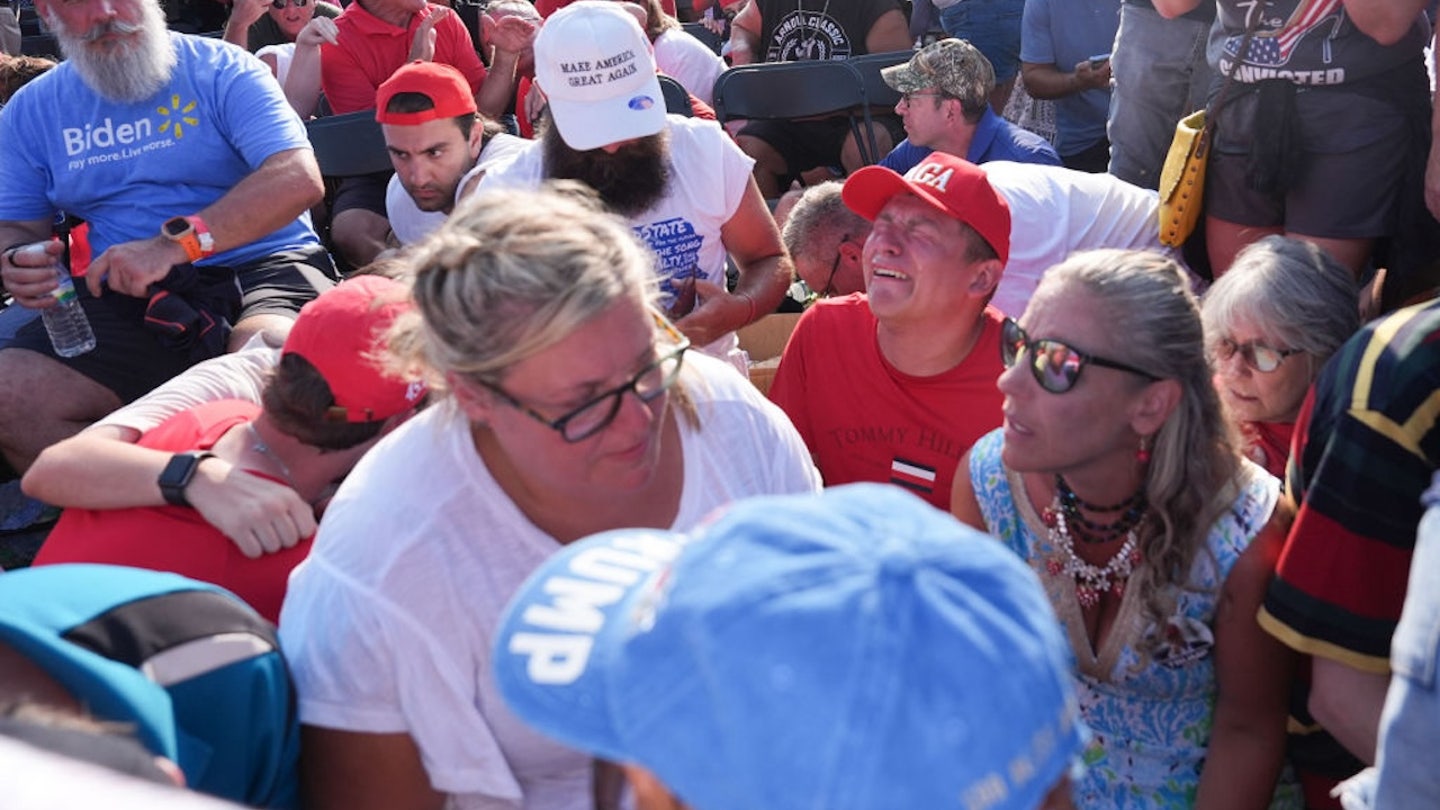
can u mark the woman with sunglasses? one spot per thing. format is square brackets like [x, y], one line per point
[269, 28]
[1271, 322]
[573, 407]
[1117, 478]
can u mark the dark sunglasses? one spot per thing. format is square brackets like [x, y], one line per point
[279, 5]
[595, 415]
[1256, 355]
[1055, 365]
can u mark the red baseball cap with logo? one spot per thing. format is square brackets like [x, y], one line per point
[340, 333]
[953, 186]
[442, 84]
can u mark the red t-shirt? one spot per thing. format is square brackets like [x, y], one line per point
[863, 420]
[369, 49]
[177, 538]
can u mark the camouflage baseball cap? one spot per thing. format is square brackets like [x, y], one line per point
[953, 66]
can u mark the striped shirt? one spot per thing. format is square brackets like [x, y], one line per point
[1365, 447]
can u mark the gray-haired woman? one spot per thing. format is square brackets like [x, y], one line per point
[1270, 324]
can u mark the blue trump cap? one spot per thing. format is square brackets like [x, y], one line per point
[854, 649]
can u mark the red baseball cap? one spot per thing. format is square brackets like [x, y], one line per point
[442, 84]
[340, 332]
[953, 186]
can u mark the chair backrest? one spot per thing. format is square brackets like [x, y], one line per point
[677, 98]
[41, 45]
[349, 145]
[29, 21]
[469, 12]
[879, 96]
[786, 90]
[711, 39]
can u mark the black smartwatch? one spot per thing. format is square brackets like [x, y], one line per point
[177, 476]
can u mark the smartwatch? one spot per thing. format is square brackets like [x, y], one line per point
[190, 232]
[177, 476]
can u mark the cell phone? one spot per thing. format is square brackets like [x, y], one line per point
[1099, 59]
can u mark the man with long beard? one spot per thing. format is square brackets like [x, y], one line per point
[192, 172]
[682, 183]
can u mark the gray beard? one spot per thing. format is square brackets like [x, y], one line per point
[124, 74]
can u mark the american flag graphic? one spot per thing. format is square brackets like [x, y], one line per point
[1275, 49]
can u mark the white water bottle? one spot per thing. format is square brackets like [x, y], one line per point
[66, 323]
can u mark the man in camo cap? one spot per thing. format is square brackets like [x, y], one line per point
[945, 104]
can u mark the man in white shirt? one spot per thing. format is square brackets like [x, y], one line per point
[681, 183]
[436, 139]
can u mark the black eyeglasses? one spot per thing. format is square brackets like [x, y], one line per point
[1256, 355]
[834, 266]
[1056, 365]
[597, 414]
[279, 5]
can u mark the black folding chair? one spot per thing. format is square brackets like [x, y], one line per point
[349, 145]
[705, 35]
[878, 94]
[41, 45]
[677, 98]
[794, 90]
[29, 21]
[880, 98]
[469, 12]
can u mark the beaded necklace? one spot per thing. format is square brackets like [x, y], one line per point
[1091, 581]
[1068, 503]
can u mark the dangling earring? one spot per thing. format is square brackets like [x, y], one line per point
[1142, 455]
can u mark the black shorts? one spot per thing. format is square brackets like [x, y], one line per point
[130, 360]
[803, 145]
[366, 191]
[1353, 154]
[282, 283]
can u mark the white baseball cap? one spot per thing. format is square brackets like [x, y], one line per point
[597, 69]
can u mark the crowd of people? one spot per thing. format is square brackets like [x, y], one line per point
[446, 486]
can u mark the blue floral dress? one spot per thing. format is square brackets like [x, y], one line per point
[1149, 703]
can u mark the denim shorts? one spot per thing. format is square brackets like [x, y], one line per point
[993, 26]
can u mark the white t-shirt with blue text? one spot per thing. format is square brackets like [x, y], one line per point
[709, 176]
